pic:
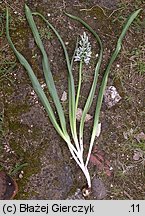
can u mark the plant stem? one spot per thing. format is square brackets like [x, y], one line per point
[77, 97]
[79, 84]
[87, 175]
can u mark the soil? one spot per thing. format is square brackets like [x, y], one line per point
[26, 133]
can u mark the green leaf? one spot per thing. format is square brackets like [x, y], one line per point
[71, 86]
[36, 85]
[38, 89]
[46, 68]
[97, 68]
[105, 78]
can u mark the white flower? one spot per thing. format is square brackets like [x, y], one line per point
[83, 52]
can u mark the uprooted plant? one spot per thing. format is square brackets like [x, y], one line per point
[83, 55]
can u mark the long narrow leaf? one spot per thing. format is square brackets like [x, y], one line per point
[105, 78]
[46, 69]
[93, 88]
[70, 82]
[37, 87]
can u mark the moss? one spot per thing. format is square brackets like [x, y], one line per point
[33, 167]
[102, 19]
[16, 109]
[98, 12]
[32, 158]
